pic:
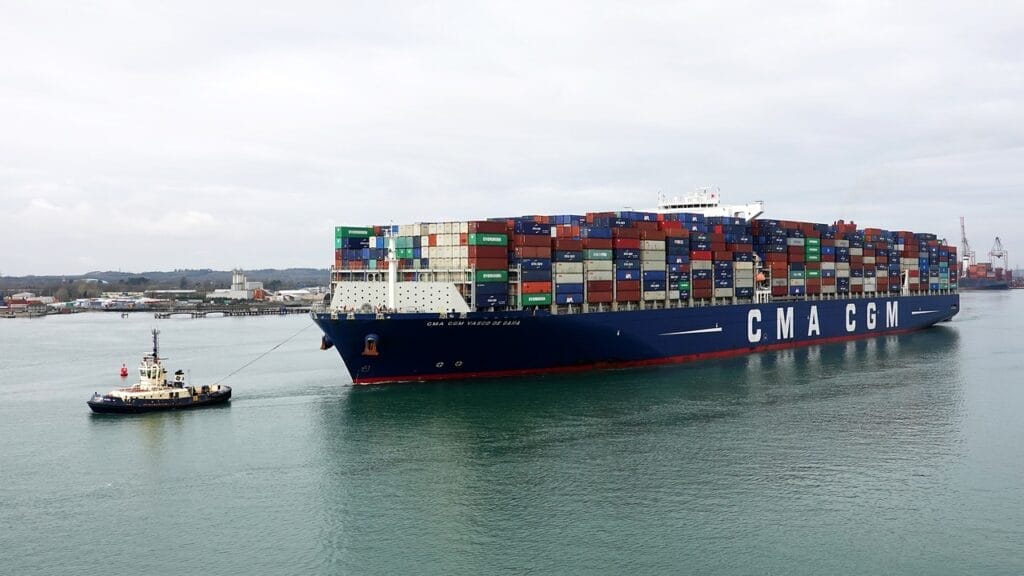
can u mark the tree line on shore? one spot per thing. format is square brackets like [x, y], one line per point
[93, 284]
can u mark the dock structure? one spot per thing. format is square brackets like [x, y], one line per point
[203, 312]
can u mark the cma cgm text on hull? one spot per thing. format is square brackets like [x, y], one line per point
[572, 292]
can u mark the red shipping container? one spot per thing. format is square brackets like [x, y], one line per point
[700, 255]
[530, 240]
[598, 297]
[670, 224]
[599, 286]
[828, 281]
[532, 252]
[489, 263]
[812, 288]
[536, 287]
[795, 251]
[486, 227]
[627, 296]
[627, 285]
[702, 283]
[626, 243]
[488, 252]
[724, 256]
[642, 225]
[625, 233]
[717, 237]
[597, 243]
[776, 257]
[567, 244]
[857, 288]
[676, 232]
[718, 246]
[780, 290]
[701, 293]
[652, 234]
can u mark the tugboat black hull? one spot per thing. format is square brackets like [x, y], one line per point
[113, 405]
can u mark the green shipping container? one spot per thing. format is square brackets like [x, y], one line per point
[684, 285]
[537, 299]
[812, 257]
[403, 253]
[492, 276]
[813, 273]
[592, 254]
[352, 232]
[796, 274]
[484, 239]
[812, 242]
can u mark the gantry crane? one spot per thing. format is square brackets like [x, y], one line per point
[997, 251]
[966, 254]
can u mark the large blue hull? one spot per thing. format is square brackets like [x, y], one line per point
[418, 347]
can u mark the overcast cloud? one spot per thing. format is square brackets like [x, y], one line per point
[160, 135]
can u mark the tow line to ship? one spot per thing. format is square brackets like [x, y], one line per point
[278, 345]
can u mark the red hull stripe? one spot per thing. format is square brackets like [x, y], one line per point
[628, 363]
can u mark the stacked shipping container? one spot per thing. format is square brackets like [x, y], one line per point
[644, 257]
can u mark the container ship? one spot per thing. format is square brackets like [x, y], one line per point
[690, 280]
[993, 275]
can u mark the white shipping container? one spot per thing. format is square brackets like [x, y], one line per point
[432, 227]
[828, 289]
[796, 282]
[461, 228]
[462, 252]
[856, 281]
[843, 266]
[569, 278]
[602, 265]
[723, 293]
[869, 260]
[842, 243]
[701, 265]
[842, 273]
[568, 267]
[743, 283]
[599, 275]
[743, 266]
[743, 274]
[673, 294]
[828, 265]
[656, 295]
[652, 245]
[780, 282]
[856, 251]
[795, 242]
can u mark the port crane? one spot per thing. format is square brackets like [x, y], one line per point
[966, 254]
[999, 252]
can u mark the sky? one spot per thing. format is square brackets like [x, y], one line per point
[141, 136]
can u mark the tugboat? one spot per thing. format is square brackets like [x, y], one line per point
[153, 392]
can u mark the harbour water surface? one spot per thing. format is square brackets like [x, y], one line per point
[897, 455]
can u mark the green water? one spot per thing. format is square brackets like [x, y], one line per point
[898, 455]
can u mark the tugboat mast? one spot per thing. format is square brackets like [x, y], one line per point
[156, 355]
